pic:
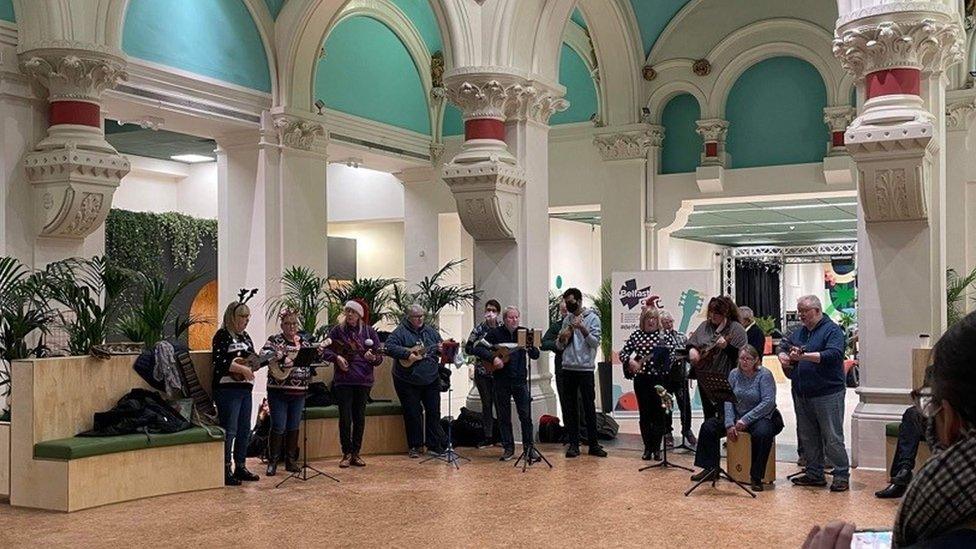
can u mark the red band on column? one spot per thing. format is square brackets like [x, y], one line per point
[893, 81]
[837, 139]
[711, 149]
[484, 128]
[75, 112]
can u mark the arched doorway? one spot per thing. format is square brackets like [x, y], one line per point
[204, 307]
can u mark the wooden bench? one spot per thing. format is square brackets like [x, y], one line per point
[55, 398]
[738, 460]
[385, 433]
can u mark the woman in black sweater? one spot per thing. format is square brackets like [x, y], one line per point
[716, 343]
[233, 382]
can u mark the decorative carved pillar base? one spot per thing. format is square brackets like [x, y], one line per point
[488, 196]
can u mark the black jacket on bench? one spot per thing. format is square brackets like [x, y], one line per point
[140, 411]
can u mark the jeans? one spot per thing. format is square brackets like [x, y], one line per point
[352, 416]
[234, 413]
[286, 410]
[421, 406]
[820, 422]
[653, 418]
[486, 390]
[762, 433]
[910, 434]
[582, 384]
[505, 392]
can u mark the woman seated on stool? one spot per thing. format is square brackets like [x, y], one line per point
[754, 412]
[353, 354]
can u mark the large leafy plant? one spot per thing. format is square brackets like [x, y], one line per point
[957, 287]
[82, 286]
[603, 304]
[23, 309]
[376, 292]
[433, 295]
[151, 317]
[766, 323]
[136, 240]
[305, 292]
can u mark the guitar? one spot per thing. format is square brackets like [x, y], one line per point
[691, 302]
[417, 353]
[501, 351]
[255, 362]
[661, 355]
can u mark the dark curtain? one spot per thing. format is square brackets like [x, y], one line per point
[757, 287]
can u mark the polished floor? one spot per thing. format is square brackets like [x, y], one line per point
[396, 501]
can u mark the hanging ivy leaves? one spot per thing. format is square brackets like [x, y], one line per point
[138, 240]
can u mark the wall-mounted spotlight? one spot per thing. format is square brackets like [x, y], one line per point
[645, 116]
[319, 104]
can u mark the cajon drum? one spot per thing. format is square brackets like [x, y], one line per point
[739, 458]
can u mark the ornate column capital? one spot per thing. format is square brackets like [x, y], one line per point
[294, 131]
[630, 144]
[959, 115]
[72, 75]
[483, 93]
[924, 36]
[712, 129]
[489, 198]
[838, 119]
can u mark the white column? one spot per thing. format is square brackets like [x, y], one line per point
[623, 208]
[710, 174]
[960, 188]
[899, 53]
[837, 165]
[420, 223]
[500, 180]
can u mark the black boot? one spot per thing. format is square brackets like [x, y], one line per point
[274, 453]
[898, 486]
[241, 473]
[229, 479]
[291, 452]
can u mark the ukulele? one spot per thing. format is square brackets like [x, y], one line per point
[501, 351]
[280, 371]
[645, 360]
[255, 362]
[417, 353]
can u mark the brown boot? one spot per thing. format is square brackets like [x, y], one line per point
[357, 461]
[291, 452]
[344, 463]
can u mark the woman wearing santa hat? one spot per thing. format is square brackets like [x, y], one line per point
[353, 352]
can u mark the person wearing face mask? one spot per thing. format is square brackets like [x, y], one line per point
[579, 340]
[483, 379]
[286, 397]
[938, 509]
[511, 381]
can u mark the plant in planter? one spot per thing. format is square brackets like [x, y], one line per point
[376, 292]
[152, 314]
[603, 304]
[957, 287]
[768, 325]
[23, 310]
[80, 285]
[433, 296]
[305, 292]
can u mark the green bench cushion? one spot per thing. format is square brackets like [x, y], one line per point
[372, 409]
[891, 429]
[82, 447]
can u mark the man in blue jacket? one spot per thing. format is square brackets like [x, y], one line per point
[813, 358]
[510, 380]
[418, 386]
[579, 341]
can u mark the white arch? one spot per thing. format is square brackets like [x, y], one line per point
[617, 46]
[265, 25]
[664, 94]
[578, 40]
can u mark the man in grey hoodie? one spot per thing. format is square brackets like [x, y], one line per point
[579, 341]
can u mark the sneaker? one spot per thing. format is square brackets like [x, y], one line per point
[597, 451]
[436, 452]
[357, 461]
[572, 451]
[840, 485]
[507, 455]
[704, 474]
[414, 453]
[534, 455]
[241, 473]
[344, 462]
[807, 480]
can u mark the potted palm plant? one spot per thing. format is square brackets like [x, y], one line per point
[956, 289]
[151, 318]
[433, 295]
[80, 285]
[307, 293]
[767, 324]
[376, 292]
[603, 303]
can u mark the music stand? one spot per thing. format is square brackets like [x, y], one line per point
[450, 455]
[681, 355]
[715, 387]
[664, 464]
[304, 358]
[530, 454]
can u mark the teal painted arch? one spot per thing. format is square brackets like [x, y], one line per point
[422, 17]
[214, 38]
[681, 150]
[7, 11]
[580, 89]
[653, 17]
[362, 58]
[775, 114]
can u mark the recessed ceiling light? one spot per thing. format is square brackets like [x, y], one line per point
[191, 158]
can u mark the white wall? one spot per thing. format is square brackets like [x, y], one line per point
[691, 254]
[803, 279]
[361, 194]
[574, 254]
[379, 247]
[164, 186]
[576, 170]
[197, 194]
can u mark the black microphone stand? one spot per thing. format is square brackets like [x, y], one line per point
[302, 474]
[664, 463]
[530, 454]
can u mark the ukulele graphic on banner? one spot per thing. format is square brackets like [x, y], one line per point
[690, 302]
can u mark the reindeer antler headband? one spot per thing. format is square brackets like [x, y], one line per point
[244, 296]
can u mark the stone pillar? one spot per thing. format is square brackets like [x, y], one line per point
[960, 189]
[623, 209]
[502, 199]
[837, 165]
[420, 223]
[72, 171]
[714, 159]
[899, 52]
